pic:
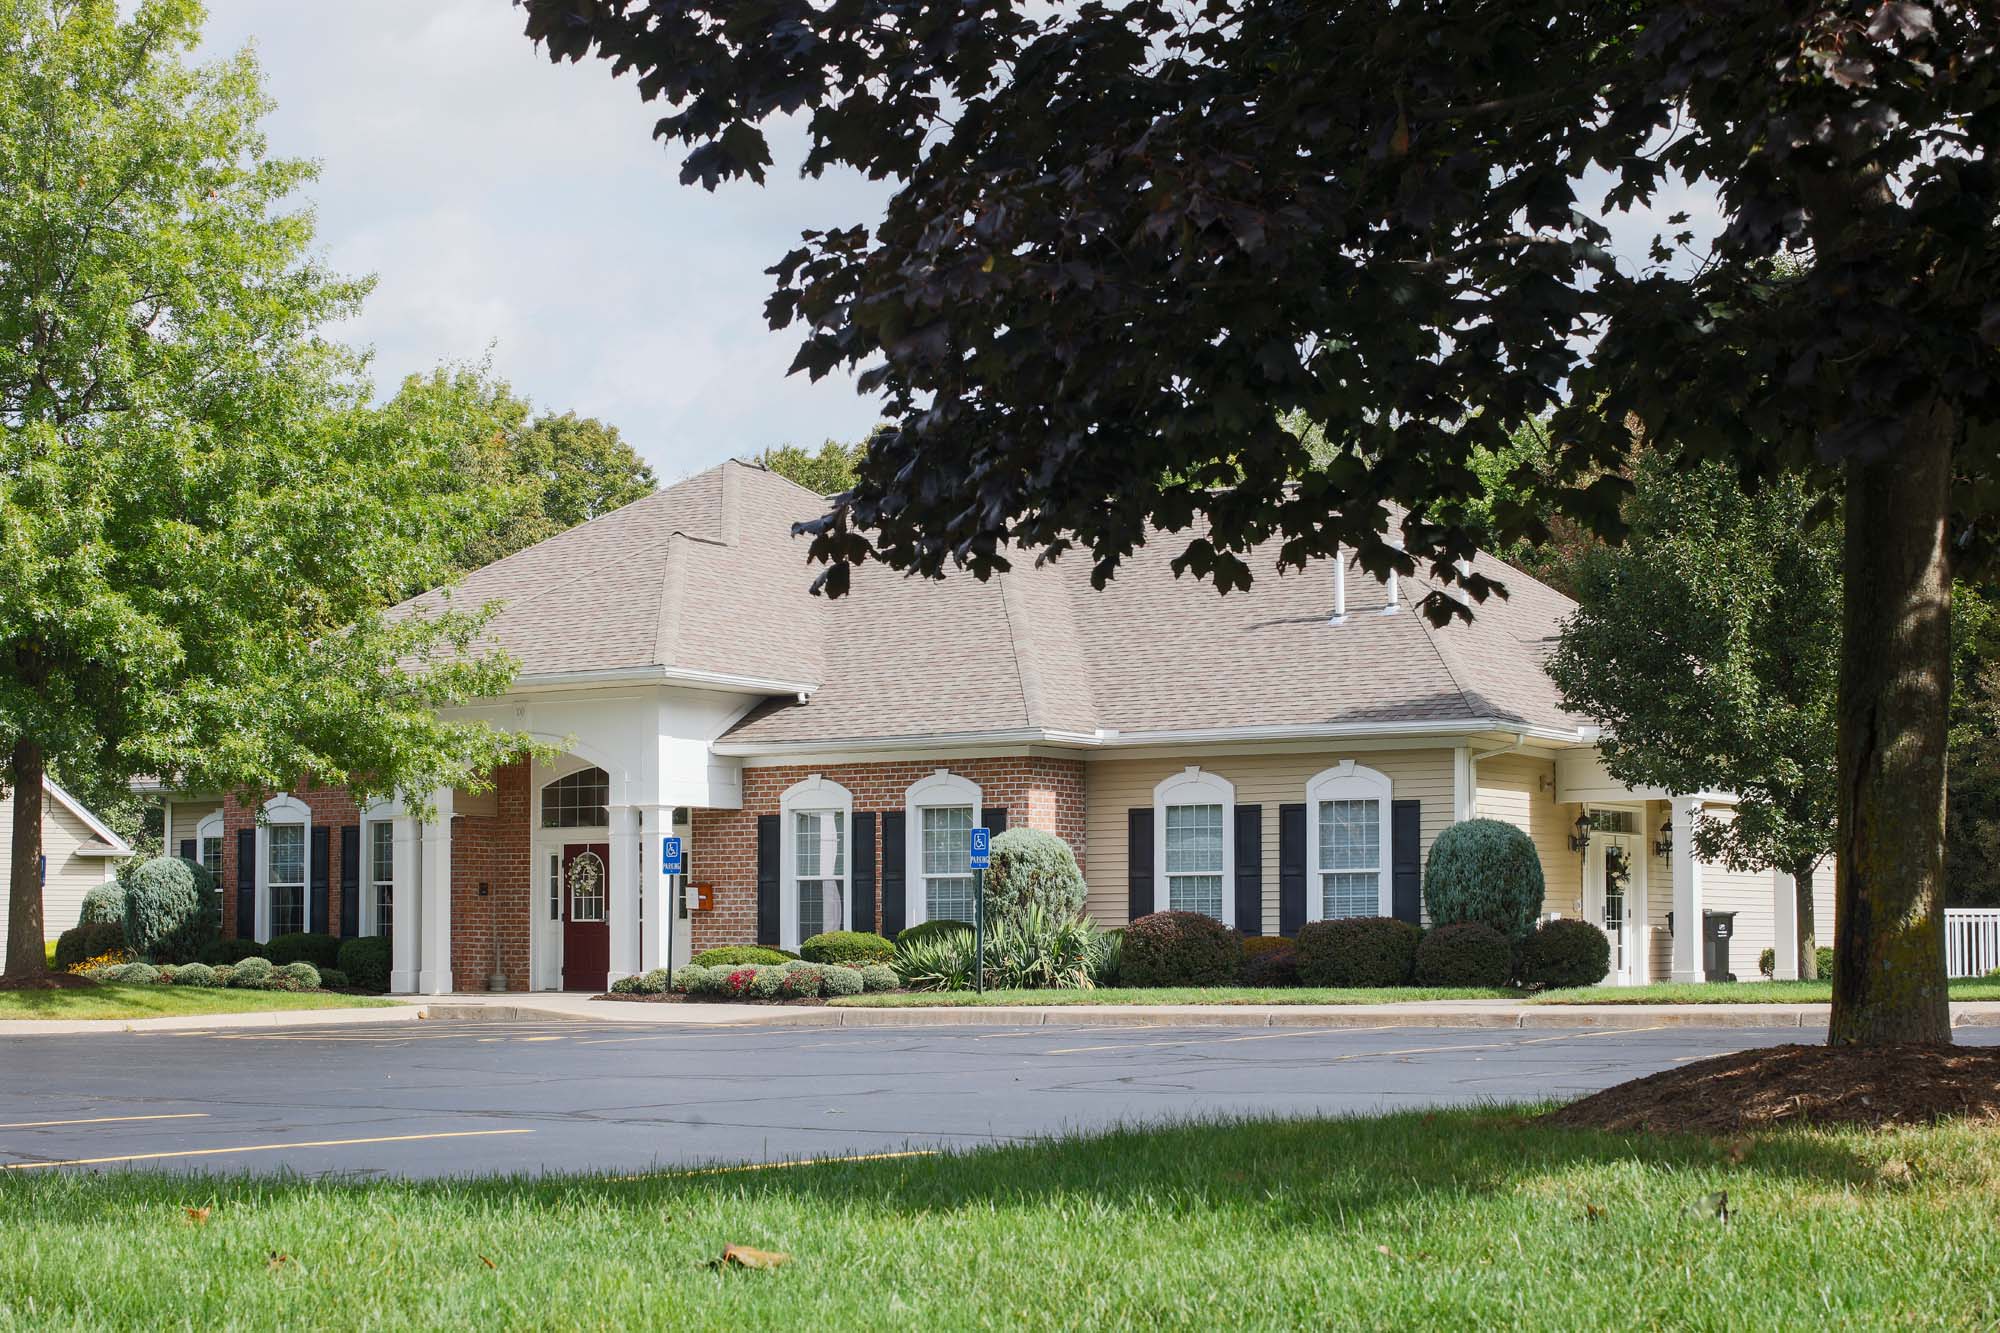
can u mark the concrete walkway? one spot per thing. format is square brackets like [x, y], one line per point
[547, 1007]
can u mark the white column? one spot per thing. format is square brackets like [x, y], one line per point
[434, 957]
[656, 822]
[1784, 927]
[407, 927]
[1464, 796]
[1687, 892]
[623, 909]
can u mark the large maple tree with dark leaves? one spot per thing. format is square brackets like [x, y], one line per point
[1127, 236]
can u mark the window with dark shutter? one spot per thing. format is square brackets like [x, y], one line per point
[863, 915]
[894, 855]
[318, 919]
[1406, 861]
[350, 880]
[246, 884]
[1139, 862]
[1250, 869]
[768, 855]
[1291, 869]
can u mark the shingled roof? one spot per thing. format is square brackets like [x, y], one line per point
[704, 580]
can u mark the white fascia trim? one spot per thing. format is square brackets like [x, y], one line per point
[929, 741]
[662, 675]
[1117, 740]
[117, 846]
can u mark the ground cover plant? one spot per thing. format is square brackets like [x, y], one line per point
[1489, 1220]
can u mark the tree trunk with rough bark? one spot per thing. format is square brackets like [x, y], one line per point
[26, 955]
[1808, 928]
[1895, 690]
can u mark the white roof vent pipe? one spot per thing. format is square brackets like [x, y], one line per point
[1339, 616]
[1391, 602]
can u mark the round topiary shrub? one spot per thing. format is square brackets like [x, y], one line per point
[1180, 949]
[83, 943]
[841, 981]
[300, 976]
[366, 962]
[169, 909]
[194, 974]
[740, 955]
[1488, 871]
[1271, 967]
[847, 946]
[303, 946]
[879, 977]
[927, 930]
[331, 978]
[138, 974]
[801, 981]
[687, 978]
[251, 974]
[1566, 952]
[626, 986]
[104, 905]
[1032, 869]
[1466, 953]
[1358, 951]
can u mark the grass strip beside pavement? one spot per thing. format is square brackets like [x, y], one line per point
[113, 1001]
[1465, 1219]
[1230, 995]
[1738, 992]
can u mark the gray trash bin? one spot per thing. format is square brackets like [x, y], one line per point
[1716, 930]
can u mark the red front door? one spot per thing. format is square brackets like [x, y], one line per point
[586, 897]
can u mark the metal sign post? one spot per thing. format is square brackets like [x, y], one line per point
[981, 858]
[670, 866]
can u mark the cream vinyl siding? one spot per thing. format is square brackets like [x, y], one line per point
[1520, 789]
[70, 876]
[1114, 786]
[1660, 897]
[188, 814]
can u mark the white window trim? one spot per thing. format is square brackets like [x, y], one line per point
[812, 794]
[1192, 786]
[378, 812]
[1348, 781]
[942, 788]
[281, 809]
[209, 827]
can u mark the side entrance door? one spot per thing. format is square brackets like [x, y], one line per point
[1615, 900]
[586, 899]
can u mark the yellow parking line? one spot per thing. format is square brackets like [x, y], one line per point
[262, 1147]
[1211, 1041]
[105, 1120]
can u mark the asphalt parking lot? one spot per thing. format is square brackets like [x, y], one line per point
[439, 1099]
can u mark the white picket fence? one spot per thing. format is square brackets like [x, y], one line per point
[1971, 941]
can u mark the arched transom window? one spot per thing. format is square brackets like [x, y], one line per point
[581, 800]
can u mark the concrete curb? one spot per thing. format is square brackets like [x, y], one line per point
[276, 1018]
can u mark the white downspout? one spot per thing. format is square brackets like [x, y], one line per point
[1339, 616]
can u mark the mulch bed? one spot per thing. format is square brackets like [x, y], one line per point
[669, 998]
[1871, 1086]
[46, 981]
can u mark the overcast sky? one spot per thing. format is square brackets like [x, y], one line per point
[505, 202]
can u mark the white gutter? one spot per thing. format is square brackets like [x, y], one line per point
[662, 675]
[1106, 739]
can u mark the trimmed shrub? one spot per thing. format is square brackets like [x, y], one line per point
[686, 978]
[736, 982]
[1465, 953]
[841, 981]
[330, 978]
[1032, 870]
[169, 910]
[137, 974]
[224, 973]
[1767, 962]
[801, 981]
[1488, 871]
[1180, 949]
[195, 974]
[740, 955]
[879, 977]
[1824, 956]
[366, 962]
[625, 986]
[1566, 952]
[104, 905]
[1272, 967]
[304, 946]
[847, 946]
[301, 974]
[251, 973]
[1358, 951]
[713, 980]
[657, 981]
[82, 943]
[928, 930]
[767, 983]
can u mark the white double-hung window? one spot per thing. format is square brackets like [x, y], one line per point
[1347, 818]
[815, 818]
[940, 812]
[380, 850]
[283, 867]
[1194, 845]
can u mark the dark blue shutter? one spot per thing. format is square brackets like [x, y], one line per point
[350, 880]
[768, 855]
[246, 884]
[863, 915]
[1291, 869]
[322, 875]
[893, 911]
[996, 819]
[1406, 881]
[1250, 869]
[1139, 889]
[187, 849]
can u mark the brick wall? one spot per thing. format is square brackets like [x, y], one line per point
[332, 809]
[493, 850]
[1040, 793]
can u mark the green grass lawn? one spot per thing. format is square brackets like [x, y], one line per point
[1442, 1220]
[1179, 995]
[1739, 992]
[113, 1001]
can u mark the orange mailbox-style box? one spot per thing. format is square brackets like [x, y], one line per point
[704, 897]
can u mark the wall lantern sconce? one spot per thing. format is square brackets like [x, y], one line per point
[1663, 846]
[1581, 838]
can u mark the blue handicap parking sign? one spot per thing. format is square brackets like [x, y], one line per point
[982, 849]
[670, 856]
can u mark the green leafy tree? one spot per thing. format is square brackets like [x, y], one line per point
[1146, 231]
[1708, 644]
[1972, 814]
[199, 530]
[831, 470]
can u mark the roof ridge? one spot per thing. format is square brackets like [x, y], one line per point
[1430, 633]
[673, 595]
[1021, 639]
